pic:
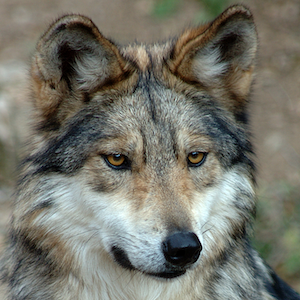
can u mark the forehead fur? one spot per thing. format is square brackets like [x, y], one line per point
[88, 90]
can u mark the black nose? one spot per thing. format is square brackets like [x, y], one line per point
[182, 248]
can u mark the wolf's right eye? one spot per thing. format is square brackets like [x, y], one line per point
[117, 161]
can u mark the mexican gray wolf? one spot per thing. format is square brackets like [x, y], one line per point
[139, 181]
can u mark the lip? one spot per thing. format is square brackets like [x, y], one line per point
[168, 275]
[122, 259]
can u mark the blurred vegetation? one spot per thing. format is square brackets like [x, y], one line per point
[165, 8]
[277, 229]
[210, 8]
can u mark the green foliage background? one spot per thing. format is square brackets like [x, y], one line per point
[210, 8]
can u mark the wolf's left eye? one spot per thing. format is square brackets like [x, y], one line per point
[117, 161]
[195, 159]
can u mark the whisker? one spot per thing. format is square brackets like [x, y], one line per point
[208, 229]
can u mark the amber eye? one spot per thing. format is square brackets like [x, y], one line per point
[115, 160]
[195, 159]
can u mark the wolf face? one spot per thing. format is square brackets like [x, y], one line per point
[140, 166]
[153, 137]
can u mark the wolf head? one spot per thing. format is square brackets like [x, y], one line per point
[140, 155]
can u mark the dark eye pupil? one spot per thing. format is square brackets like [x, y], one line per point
[194, 154]
[117, 157]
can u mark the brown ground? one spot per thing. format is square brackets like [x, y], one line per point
[276, 105]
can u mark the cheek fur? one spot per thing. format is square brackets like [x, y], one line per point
[207, 174]
[222, 210]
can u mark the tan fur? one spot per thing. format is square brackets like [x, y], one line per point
[139, 54]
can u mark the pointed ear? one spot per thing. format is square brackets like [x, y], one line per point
[219, 56]
[72, 60]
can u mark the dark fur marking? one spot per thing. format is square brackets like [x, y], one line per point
[279, 289]
[228, 44]
[45, 204]
[51, 122]
[121, 258]
[60, 28]
[86, 97]
[35, 255]
[240, 109]
[226, 256]
[73, 48]
[242, 117]
[65, 154]
[224, 133]
[144, 85]
[67, 57]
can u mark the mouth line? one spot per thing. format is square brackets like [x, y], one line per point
[122, 259]
[168, 275]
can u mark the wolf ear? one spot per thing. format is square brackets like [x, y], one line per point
[219, 56]
[72, 60]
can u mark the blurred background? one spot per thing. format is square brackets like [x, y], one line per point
[275, 109]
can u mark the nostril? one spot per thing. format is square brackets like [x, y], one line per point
[182, 248]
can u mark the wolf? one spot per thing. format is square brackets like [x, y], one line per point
[139, 179]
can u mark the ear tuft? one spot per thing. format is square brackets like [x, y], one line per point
[73, 46]
[219, 56]
[73, 59]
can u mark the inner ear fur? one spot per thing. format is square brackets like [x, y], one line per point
[73, 59]
[219, 56]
